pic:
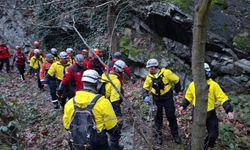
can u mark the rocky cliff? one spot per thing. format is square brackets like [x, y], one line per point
[157, 29]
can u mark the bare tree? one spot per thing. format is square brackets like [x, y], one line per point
[198, 54]
[113, 12]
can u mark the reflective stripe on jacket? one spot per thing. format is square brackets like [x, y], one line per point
[215, 93]
[104, 114]
[168, 77]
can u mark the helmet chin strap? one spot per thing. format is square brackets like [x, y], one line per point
[90, 89]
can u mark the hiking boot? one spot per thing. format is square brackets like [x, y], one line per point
[177, 139]
[56, 106]
[116, 146]
[120, 147]
[22, 77]
[158, 139]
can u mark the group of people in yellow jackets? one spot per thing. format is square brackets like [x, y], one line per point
[160, 82]
[157, 89]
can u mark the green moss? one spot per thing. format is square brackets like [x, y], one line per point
[242, 42]
[183, 4]
[221, 3]
[227, 136]
[126, 47]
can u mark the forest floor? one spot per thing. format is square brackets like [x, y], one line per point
[40, 126]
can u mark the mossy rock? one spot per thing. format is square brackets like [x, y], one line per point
[221, 3]
[243, 42]
[126, 47]
[183, 4]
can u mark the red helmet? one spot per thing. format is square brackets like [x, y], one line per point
[85, 52]
[97, 51]
[36, 44]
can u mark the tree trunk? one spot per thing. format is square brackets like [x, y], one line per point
[111, 17]
[198, 54]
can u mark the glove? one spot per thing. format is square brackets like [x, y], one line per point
[147, 100]
[133, 80]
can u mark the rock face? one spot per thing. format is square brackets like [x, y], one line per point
[158, 30]
[229, 64]
[13, 26]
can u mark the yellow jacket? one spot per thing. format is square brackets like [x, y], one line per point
[168, 77]
[214, 93]
[57, 70]
[104, 114]
[36, 63]
[71, 60]
[110, 92]
[56, 58]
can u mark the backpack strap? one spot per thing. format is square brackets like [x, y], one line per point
[90, 105]
[93, 101]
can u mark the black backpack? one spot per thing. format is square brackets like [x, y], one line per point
[158, 84]
[83, 125]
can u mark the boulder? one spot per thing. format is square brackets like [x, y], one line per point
[243, 64]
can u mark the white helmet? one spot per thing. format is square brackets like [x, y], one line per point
[79, 59]
[63, 55]
[36, 51]
[90, 76]
[119, 65]
[69, 50]
[117, 55]
[207, 70]
[53, 51]
[49, 57]
[152, 63]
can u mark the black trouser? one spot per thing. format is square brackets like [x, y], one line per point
[53, 84]
[39, 83]
[118, 112]
[115, 135]
[5, 61]
[212, 129]
[98, 141]
[166, 101]
[117, 108]
[21, 69]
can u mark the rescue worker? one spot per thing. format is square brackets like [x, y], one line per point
[54, 53]
[104, 115]
[86, 60]
[19, 59]
[110, 92]
[215, 93]
[70, 53]
[36, 46]
[55, 76]
[45, 67]
[4, 57]
[117, 56]
[35, 64]
[159, 83]
[96, 64]
[72, 77]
